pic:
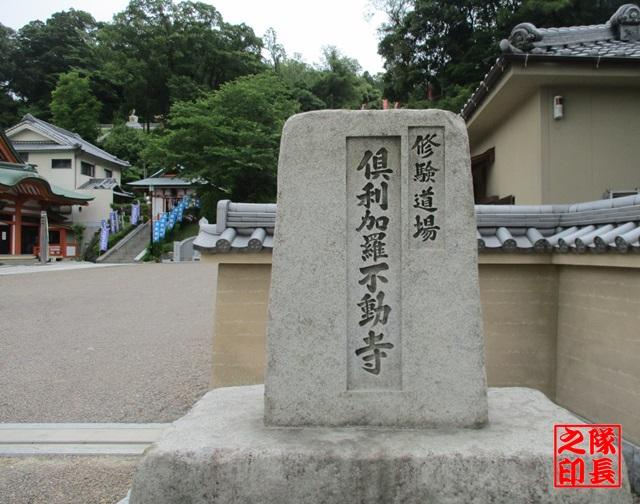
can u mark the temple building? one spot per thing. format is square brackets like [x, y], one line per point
[23, 195]
[164, 190]
[70, 162]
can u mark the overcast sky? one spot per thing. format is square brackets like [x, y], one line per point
[302, 26]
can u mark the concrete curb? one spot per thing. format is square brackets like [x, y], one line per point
[17, 439]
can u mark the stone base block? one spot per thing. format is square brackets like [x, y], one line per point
[221, 452]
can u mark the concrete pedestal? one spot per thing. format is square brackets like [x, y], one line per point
[221, 452]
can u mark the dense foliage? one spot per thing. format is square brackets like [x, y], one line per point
[229, 139]
[437, 52]
[221, 93]
[74, 107]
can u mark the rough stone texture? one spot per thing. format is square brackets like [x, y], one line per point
[439, 349]
[221, 452]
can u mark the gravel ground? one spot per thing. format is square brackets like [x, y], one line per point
[65, 479]
[125, 344]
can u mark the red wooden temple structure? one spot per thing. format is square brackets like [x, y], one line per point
[23, 195]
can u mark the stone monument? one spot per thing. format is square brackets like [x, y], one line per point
[375, 389]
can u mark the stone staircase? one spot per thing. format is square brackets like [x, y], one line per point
[127, 249]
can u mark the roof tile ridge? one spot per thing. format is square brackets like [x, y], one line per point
[40, 126]
[71, 138]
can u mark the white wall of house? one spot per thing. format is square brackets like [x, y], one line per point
[72, 177]
[101, 169]
[62, 177]
[27, 135]
[98, 209]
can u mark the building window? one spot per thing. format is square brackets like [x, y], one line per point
[25, 157]
[108, 173]
[87, 169]
[60, 163]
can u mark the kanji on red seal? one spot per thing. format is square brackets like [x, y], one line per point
[587, 456]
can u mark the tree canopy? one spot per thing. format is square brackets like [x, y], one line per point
[229, 138]
[44, 50]
[74, 107]
[221, 93]
[437, 52]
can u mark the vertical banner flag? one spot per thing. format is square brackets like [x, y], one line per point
[112, 221]
[104, 236]
[163, 226]
[135, 213]
[156, 231]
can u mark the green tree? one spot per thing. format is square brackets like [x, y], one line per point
[157, 52]
[230, 138]
[275, 49]
[338, 82]
[335, 83]
[437, 52]
[128, 144]
[301, 78]
[44, 50]
[74, 107]
[8, 105]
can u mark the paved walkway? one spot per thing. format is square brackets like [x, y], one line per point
[65, 479]
[48, 268]
[136, 243]
[105, 344]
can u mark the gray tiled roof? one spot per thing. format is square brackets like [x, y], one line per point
[617, 40]
[239, 227]
[161, 181]
[62, 139]
[99, 183]
[596, 227]
[105, 183]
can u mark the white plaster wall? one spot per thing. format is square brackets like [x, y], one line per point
[100, 167]
[98, 209]
[62, 177]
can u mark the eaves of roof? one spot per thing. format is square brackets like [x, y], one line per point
[11, 178]
[65, 138]
[161, 181]
[616, 42]
[504, 62]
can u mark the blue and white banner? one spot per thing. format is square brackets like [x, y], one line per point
[156, 231]
[104, 235]
[135, 213]
[163, 226]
